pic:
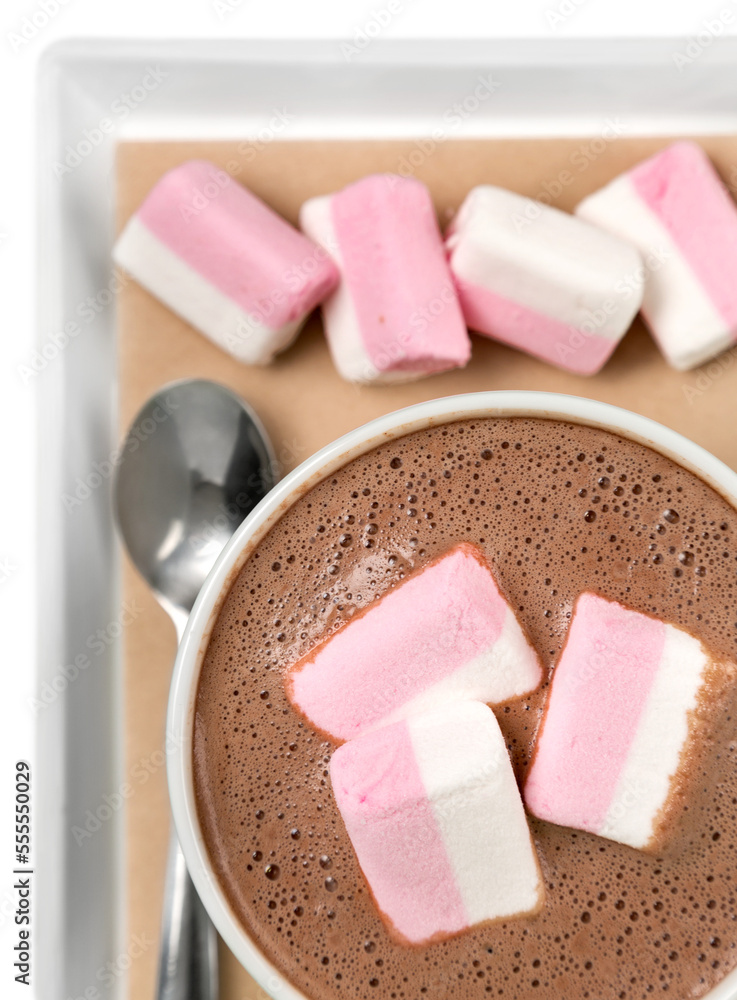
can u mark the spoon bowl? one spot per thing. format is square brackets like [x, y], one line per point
[195, 462]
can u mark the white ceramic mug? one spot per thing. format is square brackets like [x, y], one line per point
[263, 517]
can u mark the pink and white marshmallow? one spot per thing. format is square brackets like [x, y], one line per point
[435, 817]
[224, 261]
[541, 280]
[444, 634]
[622, 703]
[395, 314]
[674, 208]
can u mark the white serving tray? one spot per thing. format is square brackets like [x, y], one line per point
[231, 90]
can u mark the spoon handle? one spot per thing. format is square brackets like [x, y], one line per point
[188, 968]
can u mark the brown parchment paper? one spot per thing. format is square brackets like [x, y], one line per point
[304, 404]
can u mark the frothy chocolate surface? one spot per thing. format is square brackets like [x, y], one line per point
[558, 509]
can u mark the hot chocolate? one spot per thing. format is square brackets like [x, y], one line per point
[557, 509]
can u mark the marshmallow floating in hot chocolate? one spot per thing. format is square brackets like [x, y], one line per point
[395, 315]
[444, 634]
[676, 210]
[436, 820]
[623, 702]
[541, 280]
[223, 260]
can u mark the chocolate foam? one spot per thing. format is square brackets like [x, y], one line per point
[557, 509]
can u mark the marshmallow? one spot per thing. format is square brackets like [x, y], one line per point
[624, 699]
[444, 634]
[435, 817]
[395, 315]
[224, 261]
[540, 280]
[676, 210]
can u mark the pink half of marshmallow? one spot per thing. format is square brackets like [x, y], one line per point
[444, 634]
[437, 823]
[539, 280]
[395, 315]
[624, 698]
[676, 210]
[219, 257]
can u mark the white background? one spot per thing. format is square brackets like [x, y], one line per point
[192, 19]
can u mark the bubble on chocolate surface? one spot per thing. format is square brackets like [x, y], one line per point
[510, 486]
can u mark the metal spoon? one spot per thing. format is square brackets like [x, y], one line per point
[196, 460]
